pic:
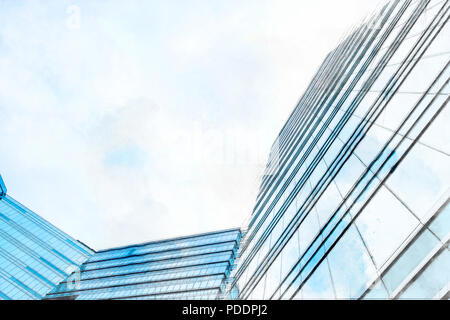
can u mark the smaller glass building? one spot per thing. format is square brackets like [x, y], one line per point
[192, 267]
[35, 256]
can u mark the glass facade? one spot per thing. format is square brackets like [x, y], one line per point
[194, 267]
[34, 255]
[354, 203]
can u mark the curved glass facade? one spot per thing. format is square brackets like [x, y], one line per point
[354, 200]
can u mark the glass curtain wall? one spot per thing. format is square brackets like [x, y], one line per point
[354, 203]
[194, 267]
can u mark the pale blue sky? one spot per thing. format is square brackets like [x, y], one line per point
[124, 122]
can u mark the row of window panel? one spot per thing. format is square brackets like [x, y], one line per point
[402, 270]
[167, 245]
[34, 255]
[21, 251]
[147, 289]
[38, 230]
[435, 166]
[190, 295]
[188, 272]
[152, 266]
[444, 184]
[178, 253]
[342, 90]
[382, 232]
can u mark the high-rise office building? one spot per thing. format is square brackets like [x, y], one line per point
[354, 203]
[34, 255]
[193, 267]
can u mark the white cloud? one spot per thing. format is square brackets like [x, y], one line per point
[197, 90]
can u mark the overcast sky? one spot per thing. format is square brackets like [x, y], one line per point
[129, 121]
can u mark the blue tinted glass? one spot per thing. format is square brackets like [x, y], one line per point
[195, 267]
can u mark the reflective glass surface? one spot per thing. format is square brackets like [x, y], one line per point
[35, 256]
[354, 200]
[194, 267]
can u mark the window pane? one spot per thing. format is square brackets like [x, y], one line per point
[409, 260]
[318, 286]
[441, 224]
[384, 224]
[432, 280]
[351, 266]
[421, 179]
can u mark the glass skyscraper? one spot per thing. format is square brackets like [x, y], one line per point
[34, 255]
[354, 203]
[193, 267]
